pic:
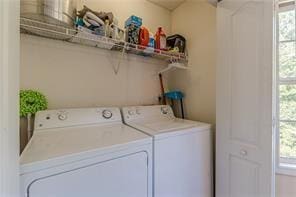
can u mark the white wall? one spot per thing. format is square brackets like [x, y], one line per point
[9, 84]
[77, 76]
[196, 20]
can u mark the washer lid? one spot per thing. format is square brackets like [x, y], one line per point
[63, 145]
[167, 126]
[159, 121]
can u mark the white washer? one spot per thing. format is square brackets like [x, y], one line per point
[86, 152]
[182, 151]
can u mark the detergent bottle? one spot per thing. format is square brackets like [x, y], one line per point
[143, 37]
[160, 39]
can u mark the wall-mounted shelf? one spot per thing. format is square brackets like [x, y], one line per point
[72, 35]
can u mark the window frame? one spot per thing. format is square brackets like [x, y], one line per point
[289, 167]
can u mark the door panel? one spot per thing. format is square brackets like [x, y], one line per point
[244, 99]
[244, 72]
[246, 186]
[125, 177]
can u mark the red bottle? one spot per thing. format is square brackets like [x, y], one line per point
[160, 39]
[143, 37]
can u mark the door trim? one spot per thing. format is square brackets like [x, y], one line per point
[9, 88]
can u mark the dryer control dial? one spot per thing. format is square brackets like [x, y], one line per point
[131, 112]
[107, 114]
[62, 116]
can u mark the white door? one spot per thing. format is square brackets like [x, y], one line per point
[9, 129]
[244, 166]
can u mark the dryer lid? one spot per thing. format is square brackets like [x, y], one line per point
[62, 145]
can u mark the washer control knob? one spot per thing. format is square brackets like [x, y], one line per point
[62, 116]
[107, 114]
[131, 112]
[164, 110]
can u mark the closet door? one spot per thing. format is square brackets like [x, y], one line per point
[9, 80]
[244, 99]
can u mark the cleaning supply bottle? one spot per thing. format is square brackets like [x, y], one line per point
[143, 37]
[160, 39]
[150, 48]
[151, 40]
[151, 43]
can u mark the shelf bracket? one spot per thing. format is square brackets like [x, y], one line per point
[116, 64]
[174, 65]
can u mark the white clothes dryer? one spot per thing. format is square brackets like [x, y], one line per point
[86, 152]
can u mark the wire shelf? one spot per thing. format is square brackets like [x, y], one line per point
[57, 32]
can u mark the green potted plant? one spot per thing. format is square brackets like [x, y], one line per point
[31, 102]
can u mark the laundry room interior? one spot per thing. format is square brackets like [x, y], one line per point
[75, 75]
[155, 98]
